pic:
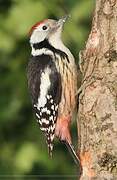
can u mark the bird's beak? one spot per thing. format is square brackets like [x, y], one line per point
[62, 20]
[59, 24]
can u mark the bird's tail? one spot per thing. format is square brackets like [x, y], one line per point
[50, 149]
[49, 140]
[75, 157]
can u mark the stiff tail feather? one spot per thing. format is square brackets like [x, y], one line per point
[49, 140]
[75, 157]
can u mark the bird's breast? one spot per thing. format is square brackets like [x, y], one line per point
[68, 72]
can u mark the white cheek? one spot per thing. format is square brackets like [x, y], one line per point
[38, 36]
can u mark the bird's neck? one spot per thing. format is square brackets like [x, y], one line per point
[48, 47]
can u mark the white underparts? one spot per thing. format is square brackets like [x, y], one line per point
[44, 86]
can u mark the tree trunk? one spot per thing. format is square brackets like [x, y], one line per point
[97, 116]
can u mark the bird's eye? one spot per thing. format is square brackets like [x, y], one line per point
[44, 27]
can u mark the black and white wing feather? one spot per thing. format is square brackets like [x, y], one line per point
[45, 88]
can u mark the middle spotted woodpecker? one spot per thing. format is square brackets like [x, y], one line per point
[52, 82]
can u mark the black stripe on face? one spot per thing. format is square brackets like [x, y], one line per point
[46, 44]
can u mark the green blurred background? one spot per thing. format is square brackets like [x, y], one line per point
[23, 149]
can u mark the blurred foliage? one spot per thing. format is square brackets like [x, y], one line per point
[23, 150]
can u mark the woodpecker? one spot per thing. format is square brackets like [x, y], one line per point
[52, 81]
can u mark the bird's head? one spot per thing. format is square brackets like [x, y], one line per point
[48, 29]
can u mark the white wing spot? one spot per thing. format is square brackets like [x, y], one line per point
[51, 118]
[44, 109]
[52, 107]
[43, 129]
[48, 111]
[40, 113]
[37, 115]
[54, 113]
[45, 121]
[51, 101]
[40, 122]
[48, 96]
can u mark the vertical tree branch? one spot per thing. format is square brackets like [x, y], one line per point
[97, 116]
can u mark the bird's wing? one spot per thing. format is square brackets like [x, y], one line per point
[45, 87]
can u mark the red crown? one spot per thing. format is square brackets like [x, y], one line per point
[36, 25]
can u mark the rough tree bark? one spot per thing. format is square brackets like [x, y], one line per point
[97, 116]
